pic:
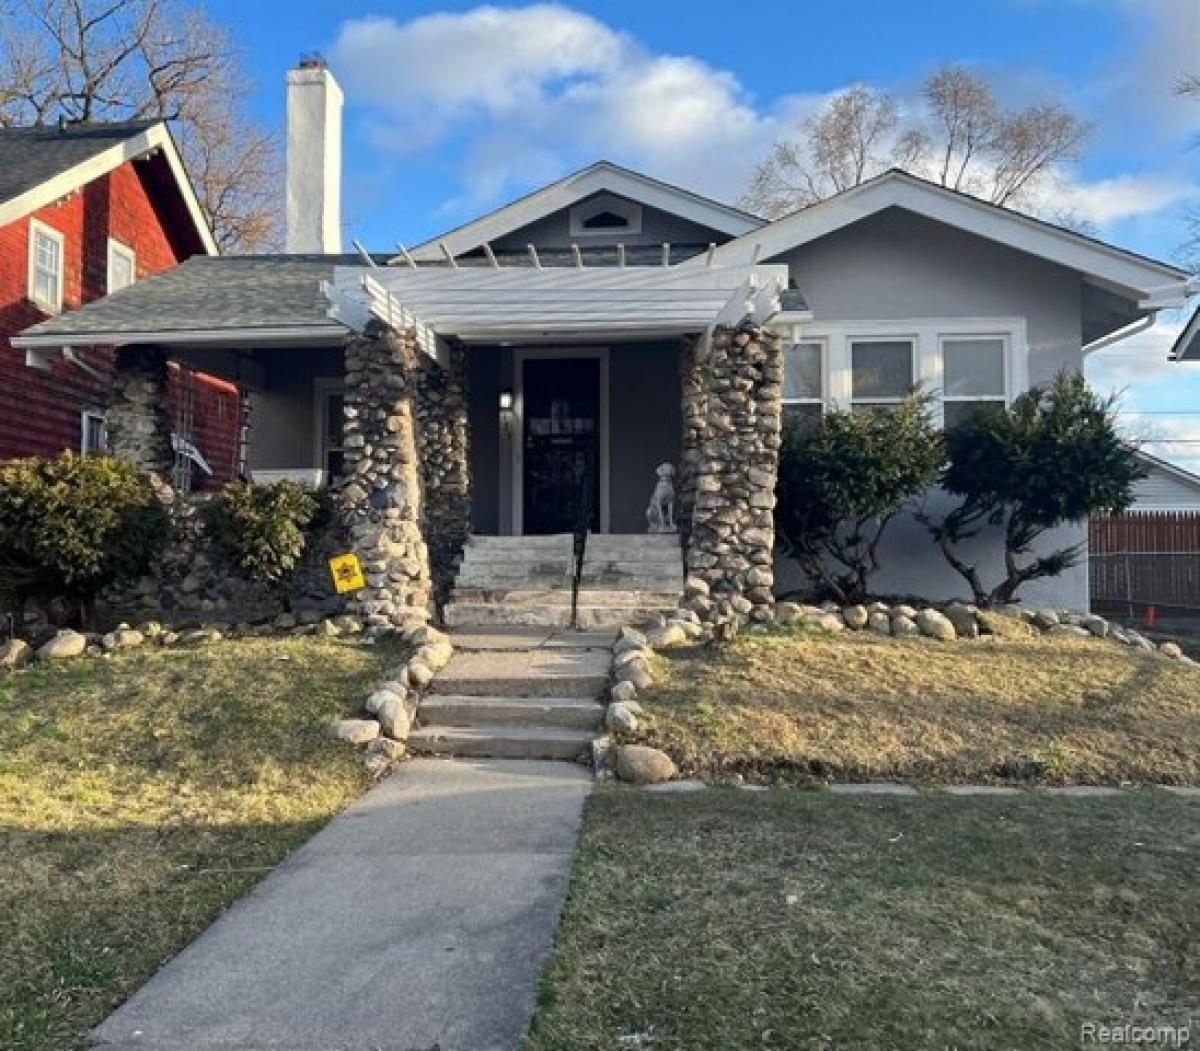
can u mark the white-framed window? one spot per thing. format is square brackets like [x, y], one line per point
[804, 380]
[605, 215]
[329, 430]
[962, 362]
[93, 432]
[882, 370]
[122, 266]
[46, 250]
[974, 374]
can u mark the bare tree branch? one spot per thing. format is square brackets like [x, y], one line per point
[89, 60]
[963, 139]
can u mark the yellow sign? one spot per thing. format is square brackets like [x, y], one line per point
[347, 573]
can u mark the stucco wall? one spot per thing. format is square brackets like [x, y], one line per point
[644, 424]
[282, 409]
[897, 265]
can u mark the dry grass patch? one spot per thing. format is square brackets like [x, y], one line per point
[139, 796]
[734, 920]
[859, 707]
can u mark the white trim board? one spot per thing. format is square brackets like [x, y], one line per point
[157, 136]
[927, 335]
[516, 435]
[601, 177]
[1109, 267]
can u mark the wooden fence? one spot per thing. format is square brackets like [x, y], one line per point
[1145, 559]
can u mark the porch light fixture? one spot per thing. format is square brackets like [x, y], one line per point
[506, 401]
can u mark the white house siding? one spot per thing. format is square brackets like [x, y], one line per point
[1161, 491]
[899, 266]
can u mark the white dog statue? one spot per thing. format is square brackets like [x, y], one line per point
[660, 514]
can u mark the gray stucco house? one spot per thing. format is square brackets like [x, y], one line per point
[594, 329]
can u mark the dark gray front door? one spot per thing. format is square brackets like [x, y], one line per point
[560, 439]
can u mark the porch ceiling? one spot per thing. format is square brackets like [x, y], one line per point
[514, 303]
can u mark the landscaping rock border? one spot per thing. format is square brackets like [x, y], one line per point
[392, 705]
[961, 620]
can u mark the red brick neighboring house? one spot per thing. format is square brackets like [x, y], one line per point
[85, 210]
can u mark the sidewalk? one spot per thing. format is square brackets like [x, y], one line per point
[415, 921]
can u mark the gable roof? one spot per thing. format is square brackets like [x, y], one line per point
[602, 176]
[39, 165]
[1152, 283]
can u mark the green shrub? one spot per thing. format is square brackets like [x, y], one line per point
[1054, 456]
[843, 478]
[264, 529]
[82, 522]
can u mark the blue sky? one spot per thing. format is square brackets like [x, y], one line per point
[453, 108]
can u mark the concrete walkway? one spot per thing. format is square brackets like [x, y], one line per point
[418, 920]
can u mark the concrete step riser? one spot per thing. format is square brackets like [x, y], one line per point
[586, 687]
[518, 597]
[499, 615]
[496, 711]
[433, 742]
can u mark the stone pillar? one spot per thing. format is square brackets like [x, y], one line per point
[443, 443]
[739, 402]
[380, 498]
[138, 418]
[693, 406]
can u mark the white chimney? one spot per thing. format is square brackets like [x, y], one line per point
[314, 159]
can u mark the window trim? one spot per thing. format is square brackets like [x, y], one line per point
[1004, 399]
[823, 399]
[605, 202]
[118, 248]
[85, 417]
[928, 363]
[324, 387]
[38, 228]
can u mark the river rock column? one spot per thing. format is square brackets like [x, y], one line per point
[733, 528]
[380, 498]
[443, 443]
[693, 407]
[138, 418]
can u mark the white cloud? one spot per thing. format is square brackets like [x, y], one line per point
[1137, 359]
[527, 93]
[545, 83]
[1109, 201]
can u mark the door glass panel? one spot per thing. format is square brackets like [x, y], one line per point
[561, 453]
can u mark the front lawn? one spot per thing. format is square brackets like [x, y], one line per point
[141, 795]
[788, 919]
[859, 707]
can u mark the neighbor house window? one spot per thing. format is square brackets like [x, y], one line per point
[973, 374]
[881, 372]
[93, 433]
[122, 266]
[804, 381]
[45, 266]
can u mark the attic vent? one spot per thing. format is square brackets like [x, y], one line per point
[606, 221]
[606, 214]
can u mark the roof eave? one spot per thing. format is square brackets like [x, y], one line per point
[1153, 284]
[156, 136]
[603, 176]
[41, 347]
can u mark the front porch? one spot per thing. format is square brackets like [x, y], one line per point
[443, 403]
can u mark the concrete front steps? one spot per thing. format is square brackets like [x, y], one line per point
[516, 694]
[626, 579]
